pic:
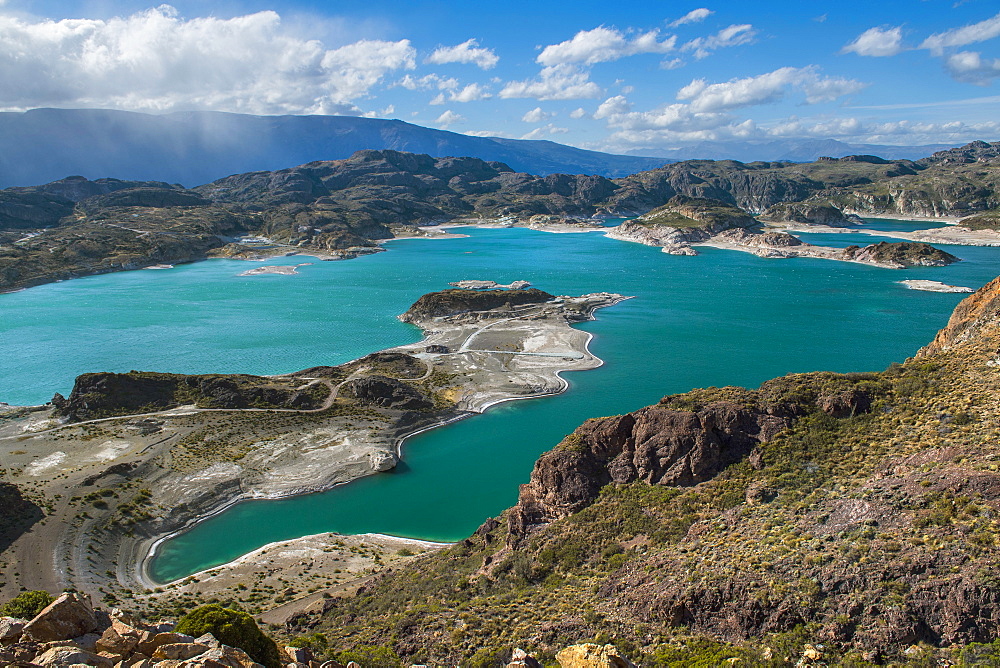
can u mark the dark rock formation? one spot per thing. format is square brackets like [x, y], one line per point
[807, 213]
[900, 254]
[974, 314]
[453, 302]
[18, 516]
[386, 392]
[657, 445]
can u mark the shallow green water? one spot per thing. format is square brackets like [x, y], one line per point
[719, 318]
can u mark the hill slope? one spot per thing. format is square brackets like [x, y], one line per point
[855, 512]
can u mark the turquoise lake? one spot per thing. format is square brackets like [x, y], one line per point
[720, 318]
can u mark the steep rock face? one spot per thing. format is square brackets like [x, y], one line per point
[901, 254]
[657, 445]
[973, 315]
[452, 302]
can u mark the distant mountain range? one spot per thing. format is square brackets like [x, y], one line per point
[795, 150]
[193, 148]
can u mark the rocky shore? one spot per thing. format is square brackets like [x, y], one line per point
[130, 458]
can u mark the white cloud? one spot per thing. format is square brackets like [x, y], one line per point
[671, 64]
[470, 93]
[970, 34]
[545, 131]
[694, 16]
[438, 99]
[468, 51]
[613, 106]
[734, 35]
[158, 61]
[536, 115]
[428, 82]
[764, 89]
[602, 45]
[448, 118]
[483, 133]
[877, 42]
[559, 82]
[578, 113]
[971, 67]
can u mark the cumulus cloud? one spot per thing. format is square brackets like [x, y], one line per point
[448, 118]
[970, 34]
[602, 45]
[468, 51]
[428, 82]
[734, 35]
[877, 42]
[559, 82]
[579, 112]
[671, 64]
[613, 106]
[764, 89]
[536, 115]
[545, 131]
[705, 112]
[694, 16]
[971, 67]
[158, 61]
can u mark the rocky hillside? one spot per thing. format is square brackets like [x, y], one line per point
[455, 302]
[345, 206]
[683, 221]
[845, 519]
[900, 254]
[98, 395]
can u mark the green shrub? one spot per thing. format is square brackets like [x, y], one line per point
[371, 656]
[26, 605]
[234, 628]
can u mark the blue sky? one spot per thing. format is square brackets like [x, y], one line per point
[615, 76]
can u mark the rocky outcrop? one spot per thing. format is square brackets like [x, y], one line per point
[32, 210]
[807, 213]
[973, 315]
[682, 222]
[658, 445]
[386, 392]
[454, 302]
[900, 254]
[104, 394]
[156, 198]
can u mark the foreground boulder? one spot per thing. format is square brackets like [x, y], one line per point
[69, 616]
[591, 655]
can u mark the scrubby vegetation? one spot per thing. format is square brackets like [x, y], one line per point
[234, 628]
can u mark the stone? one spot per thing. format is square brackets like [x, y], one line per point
[180, 651]
[66, 656]
[88, 642]
[113, 641]
[208, 640]
[148, 646]
[11, 629]
[299, 654]
[591, 655]
[69, 616]
[520, 659]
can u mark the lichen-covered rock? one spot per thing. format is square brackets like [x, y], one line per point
[591, 655]
[180, 651]
[68, 616]
[386, 392]
[900, 254]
